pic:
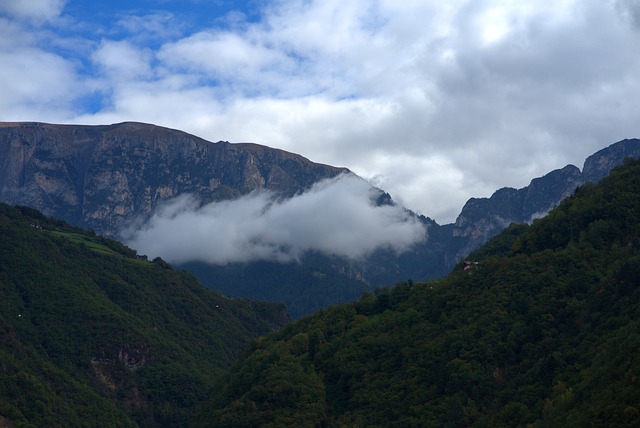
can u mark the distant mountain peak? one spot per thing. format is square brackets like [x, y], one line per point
[483, 218]
[101, 177]
[598, 165]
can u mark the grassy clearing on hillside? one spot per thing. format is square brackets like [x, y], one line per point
[86, 240]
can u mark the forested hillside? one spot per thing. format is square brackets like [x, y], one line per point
[115, 178]
[538, 328]
[93, 335]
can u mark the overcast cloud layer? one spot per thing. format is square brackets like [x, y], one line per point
[434, 101]
[335, 217]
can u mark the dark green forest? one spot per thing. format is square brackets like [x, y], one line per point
[93, 335]
[317, 280]
[539, 328]
[303, 287]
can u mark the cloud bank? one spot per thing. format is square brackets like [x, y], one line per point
[438, 101]
[336, 217]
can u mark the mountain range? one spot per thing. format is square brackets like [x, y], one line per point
[538, 327]
[106, 177]
[540, 330]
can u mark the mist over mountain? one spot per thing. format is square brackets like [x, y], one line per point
[336, 217]
[540, 331]
[254, 221]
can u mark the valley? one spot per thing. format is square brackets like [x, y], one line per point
[113, 179]
[522, 313]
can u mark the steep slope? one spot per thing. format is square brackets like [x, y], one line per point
[300, 285]
[101, 177]
[93, 335]
[483, 218]
[598, 165]
[539, 329]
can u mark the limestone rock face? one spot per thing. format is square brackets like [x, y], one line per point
[483, 218]
[103, 177]
[98, 177]
[598, 165]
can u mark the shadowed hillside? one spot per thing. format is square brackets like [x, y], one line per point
[538, 328]
[110, 177]
[93, 335]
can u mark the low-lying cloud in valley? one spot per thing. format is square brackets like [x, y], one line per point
[336, 217]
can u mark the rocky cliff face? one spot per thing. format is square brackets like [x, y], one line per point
[483, 218]
[598, 165]
[98, 177]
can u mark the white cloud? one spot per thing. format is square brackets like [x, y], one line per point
[223, 54]
[38, 84]
[37, 10]
[630, 11]
[152, 26]
[29, 91]
[122, 60]
[336, 217]
[440, 100]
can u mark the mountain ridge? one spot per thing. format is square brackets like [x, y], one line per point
[69, 170]
[482, 218]
[540, 330]
[102, 177]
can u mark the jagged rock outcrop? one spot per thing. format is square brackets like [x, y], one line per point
[99, 177]
[483, 218]
[598, 165]
[102, 177]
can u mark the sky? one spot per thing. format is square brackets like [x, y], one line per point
[433, 101]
